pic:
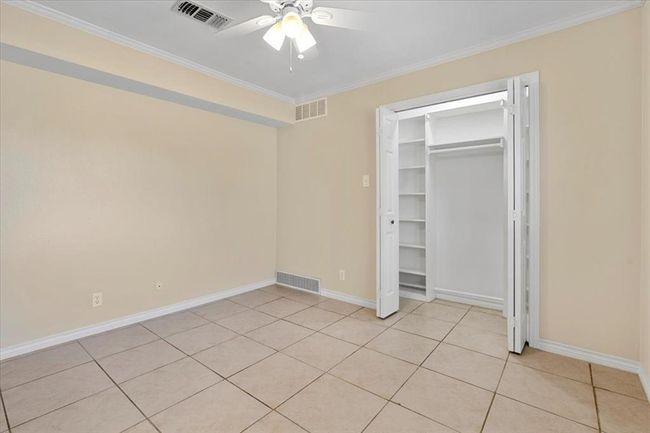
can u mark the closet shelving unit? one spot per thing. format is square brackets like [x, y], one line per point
[423, 138]
[412, 196]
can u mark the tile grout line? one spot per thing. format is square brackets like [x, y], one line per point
[322, 372]
[400, 387]
[593, 390]
[541, 408]
[494, 393]
[125, 395]
[418, 367]
[313, 332]
[61, 407]
[48, 375]
[275, 351]
[4, 411]
[375, 416]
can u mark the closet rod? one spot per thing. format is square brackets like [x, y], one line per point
[479, 146]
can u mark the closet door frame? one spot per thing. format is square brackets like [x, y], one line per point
[420, 106]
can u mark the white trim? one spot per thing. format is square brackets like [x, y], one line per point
[75, 334]
[469, 298]
[476, 49]
[645, 381]
[561, 24]
[586, 355]
[350, 299]
[409, 107]
[53, 14]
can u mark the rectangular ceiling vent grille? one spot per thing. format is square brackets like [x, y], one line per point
[311, 110]
[311, 284]
[195, 10]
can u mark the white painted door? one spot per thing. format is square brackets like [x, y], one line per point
[388, 174]
[517, 181]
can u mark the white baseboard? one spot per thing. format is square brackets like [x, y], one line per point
[645, 381]
[75, 334]
[469, 298]
[350, 299]
[587, 355]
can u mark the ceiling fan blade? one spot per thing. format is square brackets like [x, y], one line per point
[247, 27]
[345, 18]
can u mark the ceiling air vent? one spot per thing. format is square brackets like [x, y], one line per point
[311, 110]
[195, 10]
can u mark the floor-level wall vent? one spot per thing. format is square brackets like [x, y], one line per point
[306, 283]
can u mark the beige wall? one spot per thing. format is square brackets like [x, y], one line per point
[645, 281]
[107, 191]
[590, 178]
[26, 30]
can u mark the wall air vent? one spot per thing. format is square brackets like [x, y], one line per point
[311, 284]
[311, 110]
[196, 11]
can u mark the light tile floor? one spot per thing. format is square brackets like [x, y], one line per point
[284, 361]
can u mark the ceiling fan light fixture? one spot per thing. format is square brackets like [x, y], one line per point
[305, 40]
[275, 36]
[292, 24]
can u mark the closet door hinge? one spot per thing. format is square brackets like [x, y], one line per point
[510, 108]
[515, 215]
[513, 322]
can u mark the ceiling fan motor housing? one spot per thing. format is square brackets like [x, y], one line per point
[299, 6]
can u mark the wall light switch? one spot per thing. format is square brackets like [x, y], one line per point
[342, 274]
[365, 180]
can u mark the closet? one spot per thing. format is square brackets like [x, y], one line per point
[453, 203]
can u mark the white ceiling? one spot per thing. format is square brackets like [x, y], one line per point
[411, 34]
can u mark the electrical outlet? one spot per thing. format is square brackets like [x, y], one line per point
[342, 274]
[158, 286]
[98, 299]
[365, 181]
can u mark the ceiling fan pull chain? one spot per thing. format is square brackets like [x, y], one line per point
[290, 57]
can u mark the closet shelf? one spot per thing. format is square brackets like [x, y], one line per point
[411, 220]
[413, 286]
[413, 167]
[411, 193]
[413, 272]
[419, 247]
[466, 143]
[415, 140]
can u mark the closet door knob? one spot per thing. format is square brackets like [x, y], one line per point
[392, 221]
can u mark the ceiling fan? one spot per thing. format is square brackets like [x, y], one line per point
[288, 21]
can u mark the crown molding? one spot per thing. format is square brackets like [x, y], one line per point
[42, 10]
[475, 49]
[53, 14]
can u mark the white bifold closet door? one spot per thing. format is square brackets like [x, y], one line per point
[518, 211]
[388, 212]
